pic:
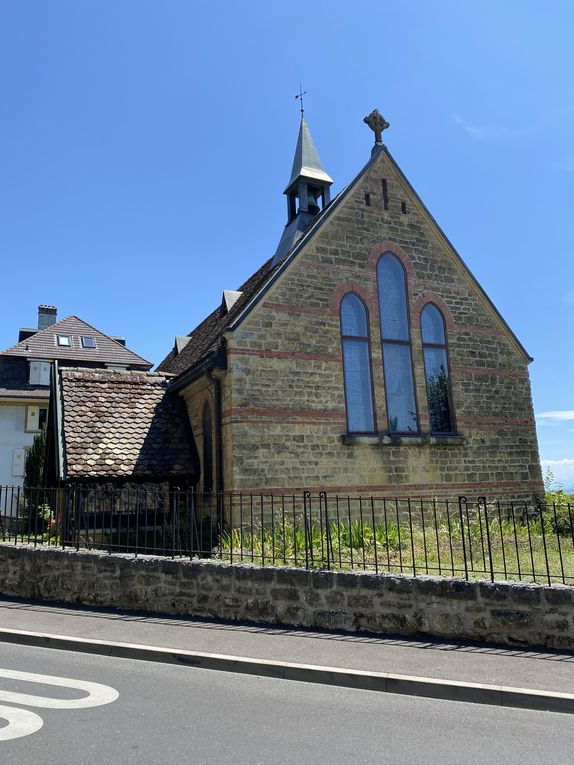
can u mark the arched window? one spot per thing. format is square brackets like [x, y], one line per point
[439, 394]
[357, 365]
[206, 424]
[396, 340]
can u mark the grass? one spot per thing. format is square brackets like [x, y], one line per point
[509, 548]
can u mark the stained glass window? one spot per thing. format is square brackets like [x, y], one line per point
[439, 394]
[357, 365]
[396, 340]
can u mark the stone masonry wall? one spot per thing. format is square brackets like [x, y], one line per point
[286, 402]
[518, 614]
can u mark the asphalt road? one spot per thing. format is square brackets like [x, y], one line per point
[154, 713]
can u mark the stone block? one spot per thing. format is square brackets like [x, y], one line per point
[559, 595]
[511, 618]
[493, 591]
[291, 577]
[524, 593]
[284, 593]
[334, 598]
[333, 620]
[346, 580]
[459, 589]
[322, 580]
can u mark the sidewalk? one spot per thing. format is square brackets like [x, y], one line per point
[463, 662]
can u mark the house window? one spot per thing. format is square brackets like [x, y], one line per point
[32, 417]
[42, 417]
[18, 461]
[357, 365]
[439, 394]
[207, 427]
[39, 373]
[88, 342]
[396, 345]
[65, 340]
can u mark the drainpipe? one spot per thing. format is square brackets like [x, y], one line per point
[218, 436]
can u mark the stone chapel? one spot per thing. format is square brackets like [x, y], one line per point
[362, 357]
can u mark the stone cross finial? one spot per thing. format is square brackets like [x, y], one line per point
[377, 123]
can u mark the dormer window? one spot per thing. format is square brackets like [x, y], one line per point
[39, 373]
[88, 342]
[64, 340]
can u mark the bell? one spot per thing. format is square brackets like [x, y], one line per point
[313, 200]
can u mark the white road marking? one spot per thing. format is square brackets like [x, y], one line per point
[97, 694]
[21, 722]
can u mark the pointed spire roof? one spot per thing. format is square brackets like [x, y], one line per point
[306, 162]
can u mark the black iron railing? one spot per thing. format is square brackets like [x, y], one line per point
[473, 538]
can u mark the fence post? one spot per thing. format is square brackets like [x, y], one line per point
[323, 500]
[175, 489]
[462, 502]
[539, 504]
[306, 498]
[482, 501]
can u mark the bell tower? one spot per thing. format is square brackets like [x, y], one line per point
[307, 192]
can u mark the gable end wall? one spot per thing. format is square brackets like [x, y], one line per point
[285, 404]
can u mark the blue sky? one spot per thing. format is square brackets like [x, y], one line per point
[144, 147]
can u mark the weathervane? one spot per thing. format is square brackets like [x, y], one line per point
[377, 123]
[300, 95]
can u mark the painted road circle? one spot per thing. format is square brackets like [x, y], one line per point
[21, 722]
[98, 694]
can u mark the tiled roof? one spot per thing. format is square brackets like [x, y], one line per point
[44, 345]
[205, 336]
[123, 424]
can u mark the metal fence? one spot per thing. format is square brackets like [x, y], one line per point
[473, 538]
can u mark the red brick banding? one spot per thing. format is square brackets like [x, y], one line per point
[292, 308]
[489, 371]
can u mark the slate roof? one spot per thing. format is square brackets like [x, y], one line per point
[44, 345]
[122, 424]
[205, 337]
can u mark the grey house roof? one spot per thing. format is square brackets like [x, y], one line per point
[31, 394]
[121, 425]
[44, 345]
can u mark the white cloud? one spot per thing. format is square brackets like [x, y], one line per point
[490, 132]
[558, 416]
[562, 470]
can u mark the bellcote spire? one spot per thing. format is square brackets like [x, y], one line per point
[306, 162]
[307, 191]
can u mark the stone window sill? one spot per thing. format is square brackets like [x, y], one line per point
[418, 439]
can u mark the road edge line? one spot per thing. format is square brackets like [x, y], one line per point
[411, 685]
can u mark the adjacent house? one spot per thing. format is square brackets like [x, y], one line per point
[363, 356]
[118, 430]
[26, 370]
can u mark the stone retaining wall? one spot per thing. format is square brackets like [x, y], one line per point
[521, 614]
